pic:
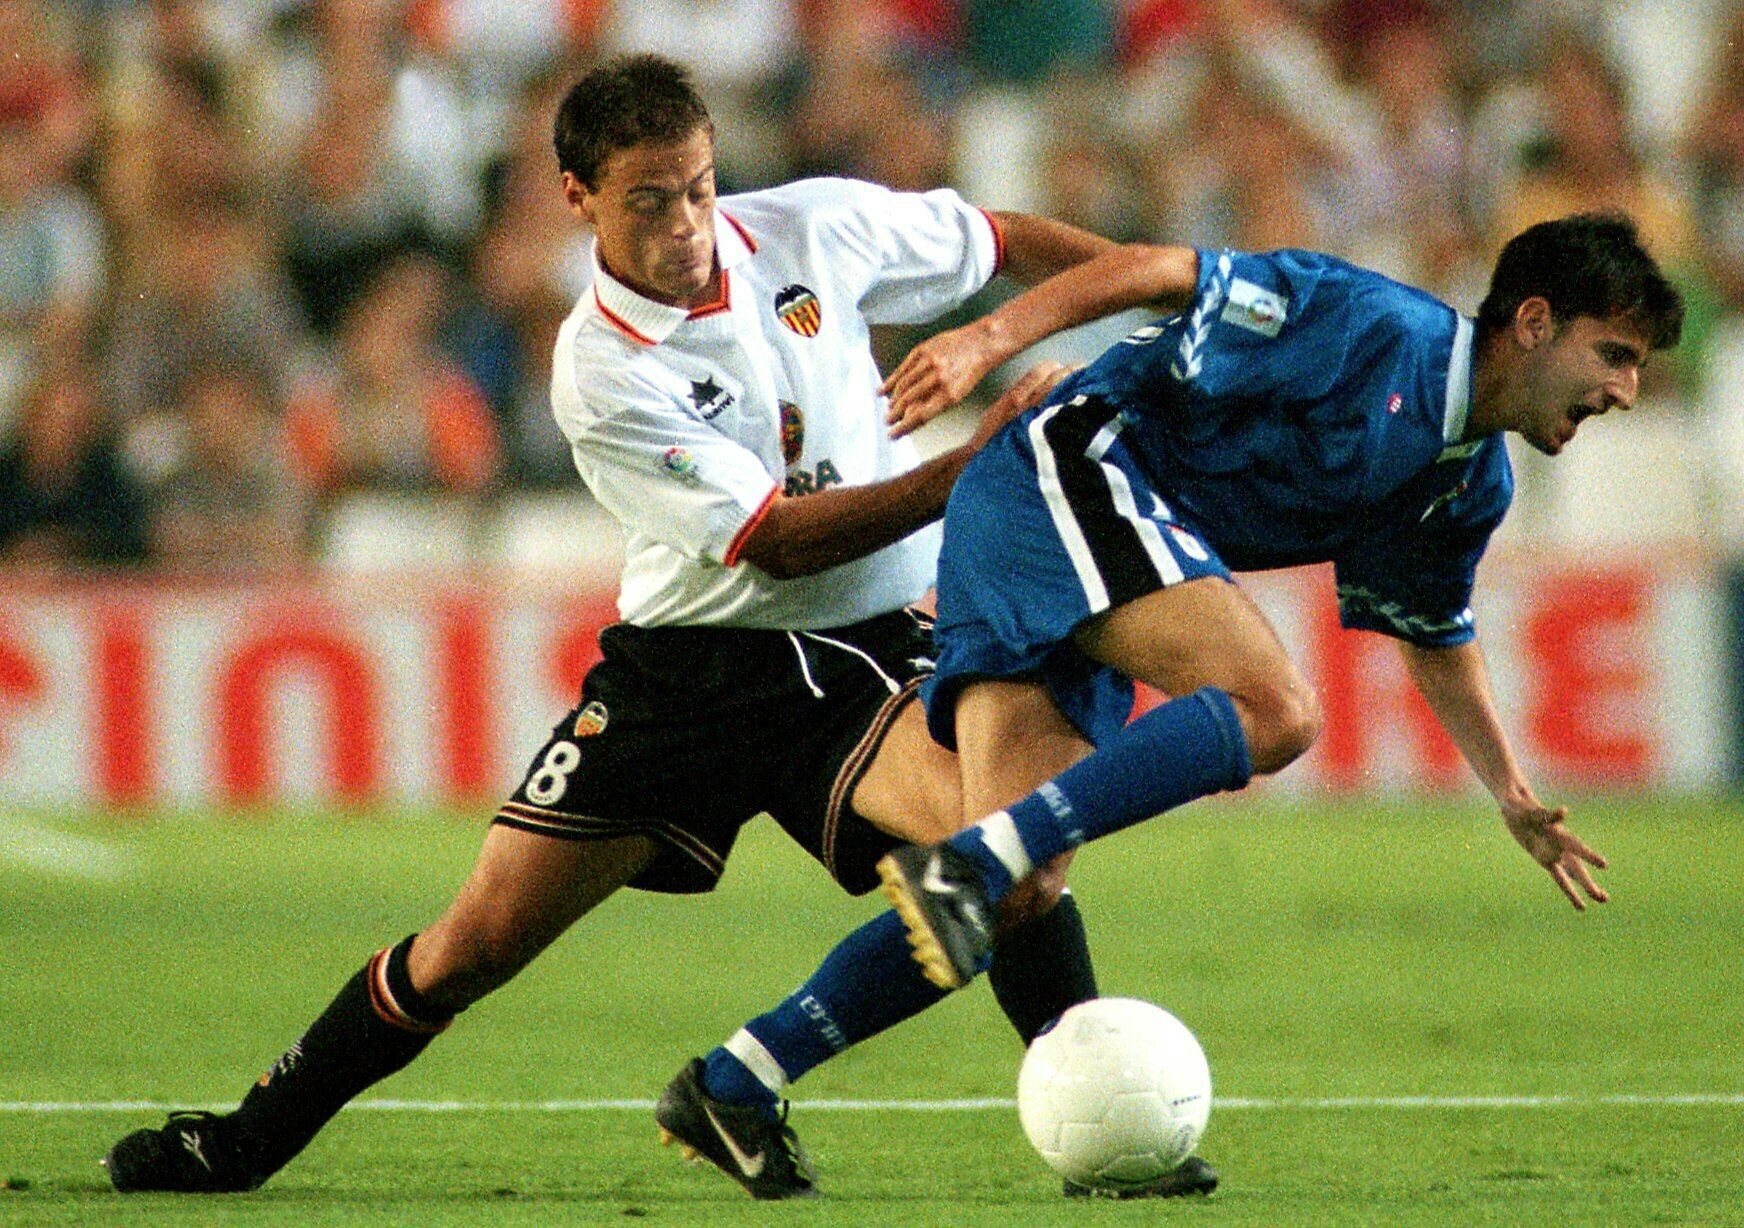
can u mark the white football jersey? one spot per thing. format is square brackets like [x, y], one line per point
[687, 424]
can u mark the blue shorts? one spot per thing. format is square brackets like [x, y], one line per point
[1052, 523]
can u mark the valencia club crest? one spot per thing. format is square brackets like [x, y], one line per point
[792, 432]
[591, 720]
[799, 309]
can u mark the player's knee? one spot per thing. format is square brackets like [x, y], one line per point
[1281, 721]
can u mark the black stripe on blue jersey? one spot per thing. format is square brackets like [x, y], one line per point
[1121, 559]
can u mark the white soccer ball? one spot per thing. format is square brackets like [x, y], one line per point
[1115, 1093]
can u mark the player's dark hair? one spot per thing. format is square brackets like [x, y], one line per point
[1586, 264]
[621, 103]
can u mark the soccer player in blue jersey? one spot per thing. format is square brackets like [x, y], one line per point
[1294, 409]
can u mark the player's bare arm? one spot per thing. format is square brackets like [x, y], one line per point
[1037, 248]
[812, 533]
[944, 369]
[1033, 249]
[1456, 684]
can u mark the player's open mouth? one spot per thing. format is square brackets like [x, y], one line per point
[1578, 414]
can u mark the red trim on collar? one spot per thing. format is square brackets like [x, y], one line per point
[743, 233]
[722, 303]
[731, 559]
[619, 323]
[998, 241]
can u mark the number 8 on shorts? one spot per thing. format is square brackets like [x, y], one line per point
[549, 781]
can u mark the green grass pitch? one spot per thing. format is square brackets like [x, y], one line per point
[1320, 951]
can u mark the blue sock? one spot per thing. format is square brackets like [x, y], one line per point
[1187, 748]
[869, 982]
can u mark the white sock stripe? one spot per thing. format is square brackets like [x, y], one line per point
[758, 1060]
[1000, 836]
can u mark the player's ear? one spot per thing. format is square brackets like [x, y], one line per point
[579, 198]
[1534, 323]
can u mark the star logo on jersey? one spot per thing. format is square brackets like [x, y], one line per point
[709, 397]
[591, 720]
[798, 308]
[792, 432]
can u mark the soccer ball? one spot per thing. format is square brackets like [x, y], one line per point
[1115, 1093]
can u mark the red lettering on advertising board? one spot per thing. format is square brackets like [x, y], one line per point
[123, 726]
[464, 692]
[246, 684]
[21, 681]
[577, 646]
[1586, 686]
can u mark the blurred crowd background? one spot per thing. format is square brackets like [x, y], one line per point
[279, 279]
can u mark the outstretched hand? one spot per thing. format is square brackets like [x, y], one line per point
[1543, 833]
[936, 374]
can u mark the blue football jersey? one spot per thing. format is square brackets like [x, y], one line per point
[1303, 410]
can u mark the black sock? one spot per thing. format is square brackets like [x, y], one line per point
[1042, 967]
[376, 1026]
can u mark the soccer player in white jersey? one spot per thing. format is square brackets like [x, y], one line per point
[718, 388]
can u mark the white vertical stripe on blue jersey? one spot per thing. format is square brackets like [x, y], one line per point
[1459, 390]
[1065, 523]
[1148, 534]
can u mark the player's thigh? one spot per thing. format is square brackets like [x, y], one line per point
[1011, 737]
[912, 789]
[918, 791]
[1203, 632]
[524, 891]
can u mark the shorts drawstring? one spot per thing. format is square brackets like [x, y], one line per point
[890, 683]
[805, 666]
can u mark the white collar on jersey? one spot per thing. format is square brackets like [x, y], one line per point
[648, 322]
[1459, 382]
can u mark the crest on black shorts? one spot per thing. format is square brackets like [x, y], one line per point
[799, 309]
[591, 720]
[792, 432]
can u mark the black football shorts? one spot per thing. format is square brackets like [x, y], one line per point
[686, 733]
